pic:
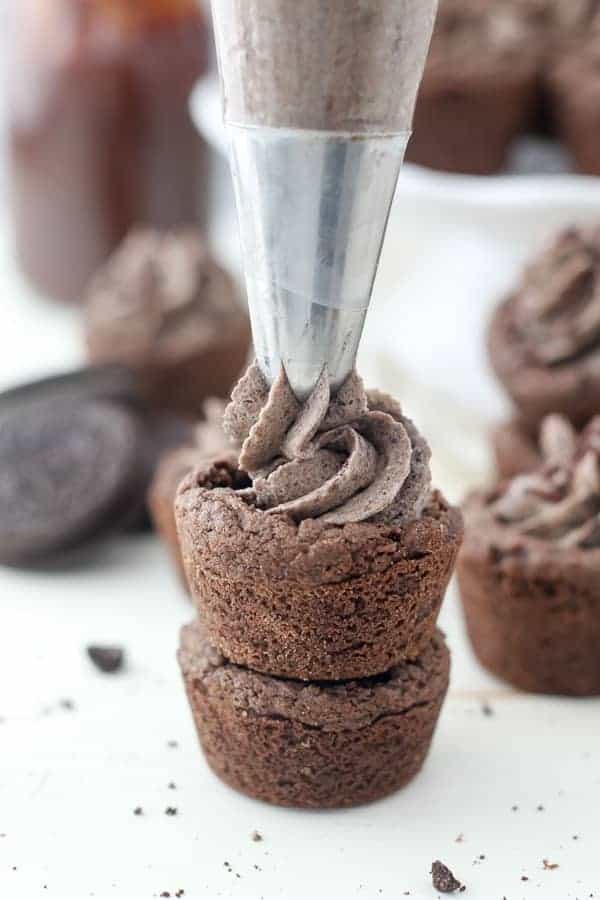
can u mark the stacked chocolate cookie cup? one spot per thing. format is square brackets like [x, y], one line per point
[314, 671]
[544, 341]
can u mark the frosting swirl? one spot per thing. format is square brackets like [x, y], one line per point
[557, 309]
[561, 501]
[343, 458]
[160, 292]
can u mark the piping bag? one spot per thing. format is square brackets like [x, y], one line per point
[318, 99]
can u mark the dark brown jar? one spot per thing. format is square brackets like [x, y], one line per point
[100, 130]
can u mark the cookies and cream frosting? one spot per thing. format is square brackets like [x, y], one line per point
[561, 501]
[340, 458]
[160, 291]
[557, 309]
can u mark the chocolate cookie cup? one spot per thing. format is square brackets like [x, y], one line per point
[574, 86]
[206, 439]
[529, 569]
[318, 745]
[334, 563]
[164, 307]
[311, 601]
[544, 340]
[479, 87]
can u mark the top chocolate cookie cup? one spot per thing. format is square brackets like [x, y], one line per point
[311, 600]
[544, 339]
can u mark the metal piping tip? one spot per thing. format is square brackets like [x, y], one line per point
[313, 208]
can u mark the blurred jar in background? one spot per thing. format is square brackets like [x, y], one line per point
[100, 133]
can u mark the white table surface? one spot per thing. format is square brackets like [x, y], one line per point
[71, 778]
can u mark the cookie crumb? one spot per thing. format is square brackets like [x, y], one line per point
[172, 745]
[515, 808]
[486, 709]
[172, 786]
[540, 808]
[138, 811]
[459, 838]
[106, 658]
[256, 836]
[443, 879]
[548, 866]
[180, 892]
[67, 703]
[524, 878]
[171, 811]
[165, 894]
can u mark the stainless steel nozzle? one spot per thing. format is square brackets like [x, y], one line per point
[318, 100]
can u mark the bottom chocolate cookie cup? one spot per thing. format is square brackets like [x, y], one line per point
[313, 744]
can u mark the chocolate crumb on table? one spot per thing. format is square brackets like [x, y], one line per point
[172, 745]
[443, 879]
[171, 811]
[138, 811]
[486, 709]
[548, 866]
[172, 786]
[107, 659]
[256, 836]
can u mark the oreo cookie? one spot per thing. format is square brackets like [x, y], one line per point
[113, 383]
[69, 470]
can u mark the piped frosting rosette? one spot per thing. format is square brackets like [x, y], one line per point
[348, 457]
